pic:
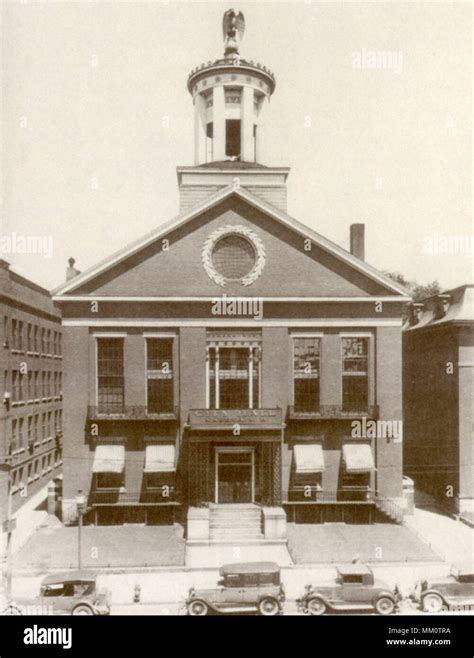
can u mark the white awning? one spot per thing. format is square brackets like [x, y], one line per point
[159, 458]
[309, 458]
[109, 459]
[358, 457]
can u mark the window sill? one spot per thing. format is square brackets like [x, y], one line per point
[18, 452]
[19, 403]
[57, 356]
[15, 351]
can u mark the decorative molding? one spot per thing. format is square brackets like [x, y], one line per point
[223, 231]
[243, 322]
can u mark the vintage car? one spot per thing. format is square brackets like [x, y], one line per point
[353, 589]
[74, 593]
[453, 592]
[244, 587]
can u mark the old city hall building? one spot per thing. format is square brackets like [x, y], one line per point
[222, 359]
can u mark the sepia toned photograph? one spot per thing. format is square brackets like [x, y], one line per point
[237, 333]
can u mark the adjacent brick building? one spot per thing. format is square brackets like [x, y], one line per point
[30, 389]
[438, 388]
[222, 358]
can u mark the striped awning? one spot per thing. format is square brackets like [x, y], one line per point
[358, 457]
[159, 458]
[109, 458]
[309, 458]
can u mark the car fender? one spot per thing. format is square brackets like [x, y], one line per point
[86, 604]
[384, 593]
[268, 596]
[210, 605]
[314, 593]
[432, 591]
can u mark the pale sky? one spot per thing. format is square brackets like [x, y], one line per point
[96, 117]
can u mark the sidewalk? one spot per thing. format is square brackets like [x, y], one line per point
[56, 548]
[451, 539]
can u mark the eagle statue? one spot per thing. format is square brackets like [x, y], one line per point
[233, 28]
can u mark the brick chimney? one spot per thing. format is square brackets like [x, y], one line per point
[357, 240]
[71, 271]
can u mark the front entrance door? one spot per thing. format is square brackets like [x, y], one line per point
[234, 475]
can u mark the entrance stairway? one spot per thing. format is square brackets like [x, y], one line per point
[235, 523]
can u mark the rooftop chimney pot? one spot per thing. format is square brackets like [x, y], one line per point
[357, 240]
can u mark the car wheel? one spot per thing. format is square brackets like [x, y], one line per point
[268, 607]
[82, 610]
[316, 606]
[432, 603]
[198, 608]
[12, 611]
[384, 605]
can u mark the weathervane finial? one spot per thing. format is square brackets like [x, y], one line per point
[233, 28]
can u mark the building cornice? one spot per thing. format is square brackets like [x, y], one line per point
[213, 298]
[209, 323]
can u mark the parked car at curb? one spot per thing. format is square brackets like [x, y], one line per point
[453, 592]
[73, 592]
[243, 587]
[354, 588]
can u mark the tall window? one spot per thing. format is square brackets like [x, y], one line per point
[31, 430]
[30, 337]
[15, 385]
[159, 375]
[37, 385]
[306, 371]
[31, 385]
[110, 384]
[355, 373]
[36, 338]
[15, 335]
[15, 444]
[232, 138]
[233, 377]
[20, 335]
[6, 331]
[20, 433]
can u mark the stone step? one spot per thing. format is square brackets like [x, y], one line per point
[236, 517]
[217, 533]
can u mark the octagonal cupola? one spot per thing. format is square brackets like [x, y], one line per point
[229, 95]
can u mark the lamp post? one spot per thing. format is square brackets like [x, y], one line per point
[81, 508]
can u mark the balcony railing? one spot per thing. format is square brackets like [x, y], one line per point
[308, 494]
[144, 497]
[345, 496]
[135, 412]
[334, 411]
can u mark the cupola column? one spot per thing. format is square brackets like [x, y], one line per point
[218, 118]
[199, 129]
[247, 125]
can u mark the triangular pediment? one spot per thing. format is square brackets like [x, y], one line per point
[176, 260]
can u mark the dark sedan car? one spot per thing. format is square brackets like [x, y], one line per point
[243, 587]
